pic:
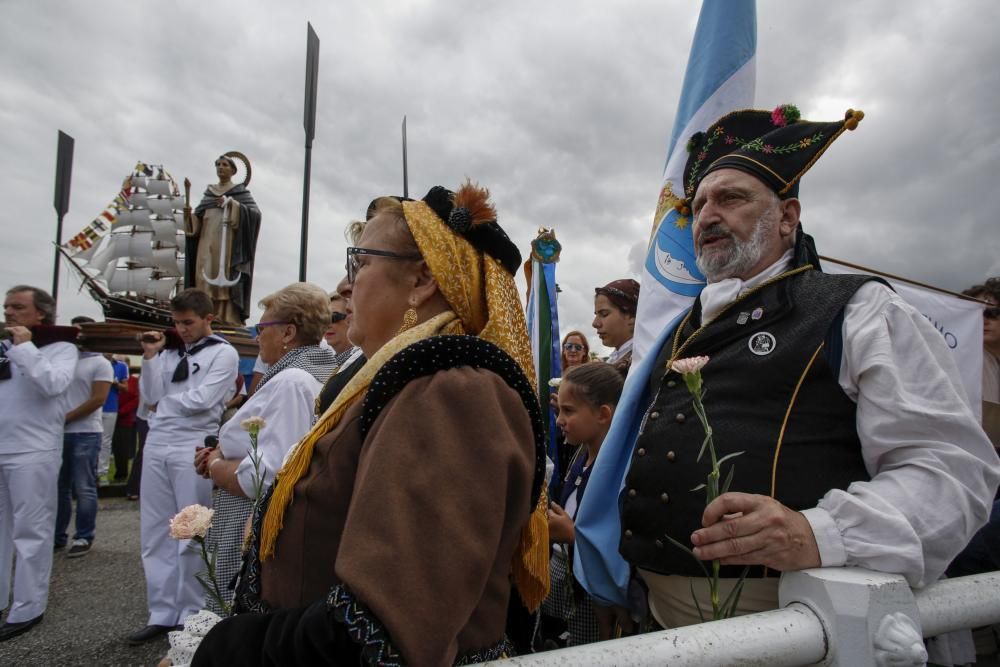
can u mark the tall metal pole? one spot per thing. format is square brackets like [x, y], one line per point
[406, 179]
[309, 122]
[64, 175]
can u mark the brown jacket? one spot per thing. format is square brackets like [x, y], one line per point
[420, 520]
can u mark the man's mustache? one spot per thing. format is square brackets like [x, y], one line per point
[716, 230]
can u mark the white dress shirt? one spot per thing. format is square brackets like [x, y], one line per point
[188, 410]
[933, 470]
[286, 402]
[31, 414]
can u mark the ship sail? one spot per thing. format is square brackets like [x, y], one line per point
[134, 249]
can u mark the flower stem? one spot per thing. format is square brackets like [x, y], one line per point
[214, 590]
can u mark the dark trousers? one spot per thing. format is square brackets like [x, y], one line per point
[123, 448]
[135, 477]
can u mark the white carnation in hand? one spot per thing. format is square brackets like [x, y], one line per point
[689, 365]
[253, 424]
[191, 522]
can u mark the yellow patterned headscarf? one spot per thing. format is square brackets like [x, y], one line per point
[475, 284]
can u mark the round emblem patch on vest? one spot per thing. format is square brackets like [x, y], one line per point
[761, 343]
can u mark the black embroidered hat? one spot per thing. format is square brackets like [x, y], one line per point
[775, 146]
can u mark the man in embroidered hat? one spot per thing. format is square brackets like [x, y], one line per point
[397, 524]
[832, 387]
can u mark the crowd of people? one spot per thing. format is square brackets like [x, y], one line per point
[383, 494]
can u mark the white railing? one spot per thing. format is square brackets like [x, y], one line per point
[831, 616]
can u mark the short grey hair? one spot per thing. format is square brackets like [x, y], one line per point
[43, 301]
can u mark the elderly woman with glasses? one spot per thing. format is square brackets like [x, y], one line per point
[397, 525]
[288, 334]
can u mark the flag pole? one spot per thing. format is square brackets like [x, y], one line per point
[865, 269]
[309, 122]
[406, 179]
[64, 174]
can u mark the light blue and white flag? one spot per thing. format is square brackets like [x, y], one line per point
[719, 79]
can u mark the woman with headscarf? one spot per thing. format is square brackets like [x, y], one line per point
[614, 319]
[396, 526]
[289, 333]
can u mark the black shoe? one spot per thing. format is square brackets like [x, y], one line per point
[79, 548]
[149, 633]
[11, 630]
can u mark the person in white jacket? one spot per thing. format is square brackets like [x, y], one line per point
[33, 377]
[188, 387]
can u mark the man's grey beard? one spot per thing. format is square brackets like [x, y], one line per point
[741, 256]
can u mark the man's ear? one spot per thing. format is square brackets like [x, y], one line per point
[790, 210]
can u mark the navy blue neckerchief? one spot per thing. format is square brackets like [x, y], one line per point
[181, 372]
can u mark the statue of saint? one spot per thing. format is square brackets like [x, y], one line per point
[222, 239]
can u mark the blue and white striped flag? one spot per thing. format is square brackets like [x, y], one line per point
[720, 78]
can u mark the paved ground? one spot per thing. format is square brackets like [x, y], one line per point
[94, 602]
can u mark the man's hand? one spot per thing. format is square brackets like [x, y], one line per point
[19, 334]
[561, 528]
[763, 532]
[152, 343]
[612, 622]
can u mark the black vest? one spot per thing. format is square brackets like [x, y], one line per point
[771, 391]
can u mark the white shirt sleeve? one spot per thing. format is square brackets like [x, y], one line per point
[51, 373]
[286, 403]
[151, 381]
[933, 470]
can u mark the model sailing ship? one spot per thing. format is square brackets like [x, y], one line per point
[132, 257]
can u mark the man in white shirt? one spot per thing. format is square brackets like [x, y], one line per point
[188, 387]
[827, 388]
[81, 448]
[35, 370]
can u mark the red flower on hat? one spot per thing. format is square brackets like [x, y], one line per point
[730, 139]
[768, 148]
[785, 114]
[702, 155]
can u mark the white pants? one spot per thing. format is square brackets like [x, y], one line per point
[169, 484]
[28, 493]
[104, 458]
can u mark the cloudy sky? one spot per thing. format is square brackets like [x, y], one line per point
[563, 109]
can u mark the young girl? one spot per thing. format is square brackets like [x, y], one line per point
[588, 395]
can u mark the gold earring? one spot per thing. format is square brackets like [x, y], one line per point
[409, 320]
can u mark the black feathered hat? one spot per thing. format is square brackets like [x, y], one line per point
[487, 237]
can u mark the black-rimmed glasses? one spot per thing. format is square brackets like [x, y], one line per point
[352, 262]
[337, 316]
[992, 313]
[573, 347]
